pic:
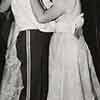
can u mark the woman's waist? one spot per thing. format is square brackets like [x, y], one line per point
[77, 34]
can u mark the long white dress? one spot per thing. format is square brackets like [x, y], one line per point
[71, 71]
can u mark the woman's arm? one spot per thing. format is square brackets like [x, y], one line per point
[59, 7]
[52, 13]
[5, 4]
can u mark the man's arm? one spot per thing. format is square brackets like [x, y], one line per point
[56, 10]
[5, 4]
[50, 14]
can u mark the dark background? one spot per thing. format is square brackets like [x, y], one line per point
[98, 31]
[5, 24]
[91, 9]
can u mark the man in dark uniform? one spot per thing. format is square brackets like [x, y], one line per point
[32, 46]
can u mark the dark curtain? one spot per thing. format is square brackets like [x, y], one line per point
[98, 20]
[90, 31]
[5, 25]
[98, 31]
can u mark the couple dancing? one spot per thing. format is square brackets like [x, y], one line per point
[71, 72]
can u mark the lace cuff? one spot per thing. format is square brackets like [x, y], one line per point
[46, 3]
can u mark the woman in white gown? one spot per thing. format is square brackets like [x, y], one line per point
[71, 71]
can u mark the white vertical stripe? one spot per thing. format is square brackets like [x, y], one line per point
[28, 50]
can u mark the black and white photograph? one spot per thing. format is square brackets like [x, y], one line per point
[49, 49]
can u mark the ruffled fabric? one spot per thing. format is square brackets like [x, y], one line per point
[11, 85]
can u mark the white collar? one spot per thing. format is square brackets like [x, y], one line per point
[47, 3]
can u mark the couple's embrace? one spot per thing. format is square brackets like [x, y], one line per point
[68, 74]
